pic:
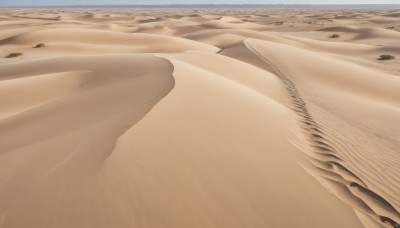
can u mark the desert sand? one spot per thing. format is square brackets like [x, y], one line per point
[199, 118]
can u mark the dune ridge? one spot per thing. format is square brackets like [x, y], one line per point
[199, 118]
[329, 166]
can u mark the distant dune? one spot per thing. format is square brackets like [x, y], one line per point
[199, 117]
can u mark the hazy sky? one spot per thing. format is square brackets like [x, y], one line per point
[157, 2]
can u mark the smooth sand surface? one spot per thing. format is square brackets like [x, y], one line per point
[186, 118]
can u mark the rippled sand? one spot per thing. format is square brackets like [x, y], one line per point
[205, 118]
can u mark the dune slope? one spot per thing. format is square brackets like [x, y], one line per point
[206, 118]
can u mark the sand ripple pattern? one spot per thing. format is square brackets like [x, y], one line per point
[329, 167]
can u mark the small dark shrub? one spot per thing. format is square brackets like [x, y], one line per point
[13, 55]
[39, 45]
[335, 36]
[386, 57]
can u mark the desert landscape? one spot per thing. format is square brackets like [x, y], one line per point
[199, 117]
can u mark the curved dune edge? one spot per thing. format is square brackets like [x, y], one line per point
[250, 118]
[122, 171]
[55, 148]
[119, 169]
[197, 178]
[327, 165]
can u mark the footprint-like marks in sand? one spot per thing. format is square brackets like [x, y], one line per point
[327, 164]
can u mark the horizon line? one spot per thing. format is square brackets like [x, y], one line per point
[202, 5]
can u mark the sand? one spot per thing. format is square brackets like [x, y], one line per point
[199, 118]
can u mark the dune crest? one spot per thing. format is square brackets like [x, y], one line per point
[199, 118]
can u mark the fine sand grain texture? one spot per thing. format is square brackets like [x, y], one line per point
[199, 118]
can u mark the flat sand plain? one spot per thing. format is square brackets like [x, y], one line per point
[199, 118]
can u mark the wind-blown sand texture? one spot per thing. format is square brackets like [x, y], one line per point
[205, 118]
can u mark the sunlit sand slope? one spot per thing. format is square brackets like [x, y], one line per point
[208, 118]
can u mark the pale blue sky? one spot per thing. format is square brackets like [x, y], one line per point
[160, 2]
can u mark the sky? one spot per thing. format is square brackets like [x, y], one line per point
[161, 2]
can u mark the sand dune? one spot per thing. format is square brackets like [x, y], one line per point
[155, 42]
[199, 118]
[387, 97]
